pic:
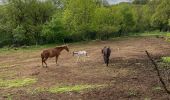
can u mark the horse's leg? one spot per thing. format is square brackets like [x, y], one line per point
[56, 59]
[45, 61]
[42, 62]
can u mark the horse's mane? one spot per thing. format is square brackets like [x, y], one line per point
[60, 46]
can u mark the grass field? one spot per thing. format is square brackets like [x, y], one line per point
[130, 75]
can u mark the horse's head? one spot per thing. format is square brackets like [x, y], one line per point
[66, 48]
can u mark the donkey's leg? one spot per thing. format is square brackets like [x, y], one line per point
[84, 59]
[78, 59]
[107, 61]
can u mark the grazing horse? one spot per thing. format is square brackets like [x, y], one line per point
[54, 52]
[106, 51]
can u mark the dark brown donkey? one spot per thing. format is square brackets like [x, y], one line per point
[106, 51]
[54, 52]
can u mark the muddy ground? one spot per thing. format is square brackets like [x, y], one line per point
[130, 75]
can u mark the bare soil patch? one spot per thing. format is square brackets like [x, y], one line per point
[130, 75]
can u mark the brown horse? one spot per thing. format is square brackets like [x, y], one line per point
[54, 52]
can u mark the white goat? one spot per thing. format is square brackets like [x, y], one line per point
[79, 54]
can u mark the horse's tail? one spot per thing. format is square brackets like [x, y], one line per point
[42, 58]
[108, 52]
[42, 55]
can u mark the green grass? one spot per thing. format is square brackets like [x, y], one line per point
[154, 33]
[8, 50]
[157, 88]
[63, 89]
[8, 65]
[8, 96]
[76, 88]
[39, 47]
[168, 34]
[132, 93]
[16, 83]
[166, 59]
[147, 99]
[168, 37]
[7, 74]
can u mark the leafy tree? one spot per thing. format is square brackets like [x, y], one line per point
[5, 28]
[142, 16]
[31, 15]
[103, 23]
[140, 1]
[19, 36]
[162, 15]
[53, 31]
[126, 20]
[101, 3]
[168, 24]
[77, 16]
[50, 21]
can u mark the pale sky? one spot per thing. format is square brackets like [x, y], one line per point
[117, 1]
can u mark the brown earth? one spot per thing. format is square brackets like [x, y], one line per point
[130, 75]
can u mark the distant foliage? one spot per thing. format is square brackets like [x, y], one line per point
[29, 22]
[162, 15]
[140, 1]
[53, 31]
[19, 35]
[77, 16]
[25, 19]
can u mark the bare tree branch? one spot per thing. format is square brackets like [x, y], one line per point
[158, 72]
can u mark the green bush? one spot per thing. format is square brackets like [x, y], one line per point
[19, 36]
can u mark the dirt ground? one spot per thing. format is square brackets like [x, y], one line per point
[130, 75]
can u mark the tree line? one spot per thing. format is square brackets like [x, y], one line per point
[30, 22]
